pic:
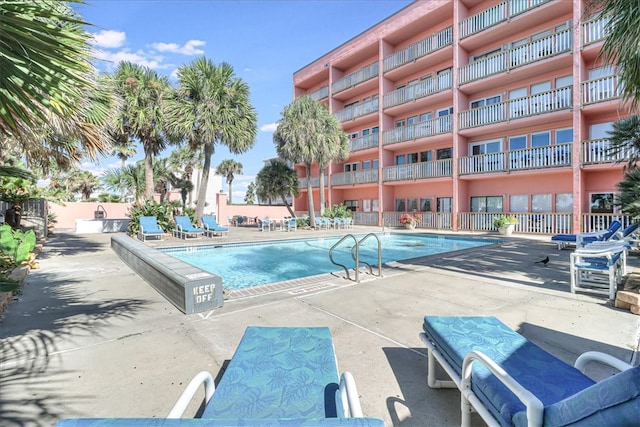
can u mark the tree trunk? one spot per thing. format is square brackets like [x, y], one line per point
[312, 214]
[284, 199]
[322, 190]
[148, 175]
[230, 193]
[204, 180]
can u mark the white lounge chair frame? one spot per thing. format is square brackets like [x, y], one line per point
[598, 279]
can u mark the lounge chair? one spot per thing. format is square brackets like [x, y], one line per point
[211, 227]
[277, 376]
[509, 381]
[291, 224]
[563, 240]
[149, 228]
[598, 268]
[264, 224]
[185, 229]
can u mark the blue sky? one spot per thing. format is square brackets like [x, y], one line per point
[265, 41]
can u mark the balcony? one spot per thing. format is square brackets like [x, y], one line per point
[357, 110]
[320, 94]
[596, 152]
[528, 222]
[419, 90]
[549, 156]
[510, 59]
[358, 177]
[418, 50]
[495, 15]
[423, 170]
[359, 76]
[600, 90]
[364, 142]
[594, 30]
[315, 182]
[540, 103]
[424, 129]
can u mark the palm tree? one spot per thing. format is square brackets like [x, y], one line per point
[334, 147]
[249, 196]
[211, 106]
[621, 44]
[624, 140]
[84, 182]
[183, 160]
[142, 91]
[277, 179]
[133, 176]
[228, 168]
[301, 138]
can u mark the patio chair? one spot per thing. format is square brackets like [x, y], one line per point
[264, 224]
[598, 268]
[185, 229]
[277, 376]
[510, 381]
[211, 226]
[563, 240]
[149, 228]
[291, 224]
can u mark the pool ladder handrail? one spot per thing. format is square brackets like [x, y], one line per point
[355, 254]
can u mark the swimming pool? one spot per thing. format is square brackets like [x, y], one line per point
[244, 265]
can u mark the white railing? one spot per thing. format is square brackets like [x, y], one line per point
[358, 110]
[418, 90]
[418, 49]
[432, 220]
[528, 222]
[431, 169]
[509, 59]
[485, 19]
[590, 222]
[540, 103]
[601, 89]
[359, 76]
[424, 129]
[594, 30]
[321, 93]
[365, 218]
[357, 177]
[315, 181]
[596, 151]
[364, 142]
[549, 156]
[517, 7]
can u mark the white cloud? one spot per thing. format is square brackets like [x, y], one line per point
[139, 58]
[189, 48]
[269, 127]
[108, 39]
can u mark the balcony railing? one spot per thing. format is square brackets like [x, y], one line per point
[357, 177]
[357, 110]
[315, 181]
[540, 103]
[528, 222]
[431, 169]
[423, 129]
[364, 142]
[594, 30]
[509, 59]
[418, 50]
[359, 76]
[591, 222]
[601, 89]
[418, 90]
[320, 94]
[365, 218]
[496, 14]
[433, 220]
[596, 151]
[549, 156]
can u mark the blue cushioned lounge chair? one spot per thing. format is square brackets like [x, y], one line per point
[185, 229]
[563, 240]
[510, 381]
[149, 228]
[277, 377]
[211, 226]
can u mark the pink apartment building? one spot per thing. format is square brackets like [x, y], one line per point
[460, 109]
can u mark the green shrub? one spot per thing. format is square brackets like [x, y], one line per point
[338, 211]
[162, 211]
[17, 245]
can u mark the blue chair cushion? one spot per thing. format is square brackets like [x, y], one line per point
[548, 378]
[279, 373]
[201, 422]
[564, 238]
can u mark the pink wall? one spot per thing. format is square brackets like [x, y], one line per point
[251, 211]
[67, 215]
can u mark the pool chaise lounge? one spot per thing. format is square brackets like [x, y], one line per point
[185, 229]
[149, 228]
[510, 381]
[277, 376]
[211, 226]
[563, 240]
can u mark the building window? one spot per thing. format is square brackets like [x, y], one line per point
[366, 205]
[350, 167]
[412, 158]
[366, 164]
[519, 203]
[352, 205]
[564, 136]
[375, 129]
[601, 203]
[425, 205]
[541, 203]
[425, 156]
[444, 153]
[564, 203]
[401, 205]
[399, 123]
[486, 204]
[540, 139]
[401, 159]
[412, 204]
[365, 132]
[353, 135]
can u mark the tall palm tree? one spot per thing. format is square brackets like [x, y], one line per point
[84, 182]
[300, 137]
[211, 106]
[334, 147]
[249, 196]
[142, 91]
[228, 168]
[621, 43]
[624, 140]
[277, 179]
[184, 160]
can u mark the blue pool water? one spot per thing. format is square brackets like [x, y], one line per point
[251, 264]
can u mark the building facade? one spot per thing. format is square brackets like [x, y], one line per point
[462, 109]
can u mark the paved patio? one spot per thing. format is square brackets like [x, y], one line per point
[87, 337]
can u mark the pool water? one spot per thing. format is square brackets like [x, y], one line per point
[252, 264]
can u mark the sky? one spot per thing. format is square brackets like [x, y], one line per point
[265, 41]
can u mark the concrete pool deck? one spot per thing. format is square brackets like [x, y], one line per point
[88, 338]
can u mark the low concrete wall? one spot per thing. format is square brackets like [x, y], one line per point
[116, 225]
[189, 288]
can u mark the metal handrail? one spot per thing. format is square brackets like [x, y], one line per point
[356, 257]
[355, 254]
[379, 253]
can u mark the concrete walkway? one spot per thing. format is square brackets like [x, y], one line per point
[89, 338]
